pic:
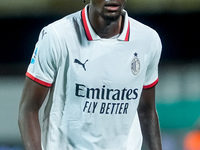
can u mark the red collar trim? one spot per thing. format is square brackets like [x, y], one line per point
[128, 32]
[88, 32]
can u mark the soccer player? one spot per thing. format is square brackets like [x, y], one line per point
[100, 68]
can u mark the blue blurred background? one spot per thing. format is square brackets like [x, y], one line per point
[178, 91]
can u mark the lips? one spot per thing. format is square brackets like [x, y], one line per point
[112, 6]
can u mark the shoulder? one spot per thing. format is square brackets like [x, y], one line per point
[66, 23]
[145, 35]
[143, 30]
[67, 19]
[59, 29]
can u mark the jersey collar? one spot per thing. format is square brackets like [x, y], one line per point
[91, 34]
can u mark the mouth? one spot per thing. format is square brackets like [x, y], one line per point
[112, 6]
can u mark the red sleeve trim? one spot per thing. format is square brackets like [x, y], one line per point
[150, 85]
[38, 80]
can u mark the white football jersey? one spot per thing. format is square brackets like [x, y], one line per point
[95, 83]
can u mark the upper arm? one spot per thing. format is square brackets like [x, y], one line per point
[41, 72]
[33, 95]
[147, 100]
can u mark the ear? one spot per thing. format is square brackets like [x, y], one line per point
[125, 3]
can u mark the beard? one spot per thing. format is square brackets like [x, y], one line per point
[110, 17]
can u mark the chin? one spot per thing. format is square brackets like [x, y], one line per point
[111, 18]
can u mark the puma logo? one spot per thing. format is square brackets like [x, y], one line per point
[80, 63]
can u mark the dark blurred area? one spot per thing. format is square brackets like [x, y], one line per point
[179, 34]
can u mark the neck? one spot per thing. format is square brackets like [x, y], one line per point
[105, 28]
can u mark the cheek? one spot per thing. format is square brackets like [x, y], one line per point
[97, 2]
[97, 5]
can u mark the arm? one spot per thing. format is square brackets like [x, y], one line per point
[149, 119]
[32, 98]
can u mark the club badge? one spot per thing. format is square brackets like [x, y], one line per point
[135, 64]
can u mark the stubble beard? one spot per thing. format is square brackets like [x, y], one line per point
[110, 18]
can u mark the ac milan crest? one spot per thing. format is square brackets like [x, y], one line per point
[135, 64]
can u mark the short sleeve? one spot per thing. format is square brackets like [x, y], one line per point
[151, 78]
[44, 62]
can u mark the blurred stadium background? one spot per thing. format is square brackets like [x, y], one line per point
[178, 92]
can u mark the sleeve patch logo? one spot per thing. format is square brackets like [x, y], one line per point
[34, 56]
[135, 64]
